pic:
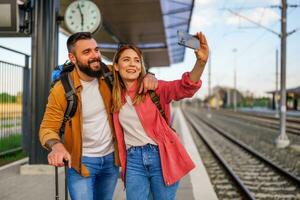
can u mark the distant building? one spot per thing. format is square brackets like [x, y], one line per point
[292, 98]
[223, 97]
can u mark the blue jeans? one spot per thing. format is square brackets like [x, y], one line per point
[101, 183]
[144, 175]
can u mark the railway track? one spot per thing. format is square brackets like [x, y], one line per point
[256, 176]
[292, 124]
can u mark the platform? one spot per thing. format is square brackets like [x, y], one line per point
[195, 186]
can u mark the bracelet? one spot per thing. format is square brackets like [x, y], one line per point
[50, 143]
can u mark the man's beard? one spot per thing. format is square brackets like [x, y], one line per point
[86, 69]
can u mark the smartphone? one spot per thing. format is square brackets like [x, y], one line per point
[187, 40]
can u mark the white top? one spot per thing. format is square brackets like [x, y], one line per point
[134, 133]
[97, 136]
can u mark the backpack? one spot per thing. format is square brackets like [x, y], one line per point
[62, 73]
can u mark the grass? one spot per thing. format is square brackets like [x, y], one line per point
[10, 142]
[11, 158]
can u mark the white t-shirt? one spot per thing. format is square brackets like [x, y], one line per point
[97, 137]
[134, 133]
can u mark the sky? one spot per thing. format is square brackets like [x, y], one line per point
[255, 47]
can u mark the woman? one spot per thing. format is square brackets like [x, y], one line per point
[152, 157]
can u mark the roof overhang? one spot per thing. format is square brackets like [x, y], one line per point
[150, 24]
[295, 90]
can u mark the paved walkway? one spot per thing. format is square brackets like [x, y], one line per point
[14, 186]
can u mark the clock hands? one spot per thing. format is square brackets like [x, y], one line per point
[81, 15]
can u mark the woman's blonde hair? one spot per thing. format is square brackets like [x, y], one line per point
[118, 84]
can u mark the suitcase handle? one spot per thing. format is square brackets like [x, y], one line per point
[66, 163]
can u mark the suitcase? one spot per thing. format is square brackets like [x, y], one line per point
[66, 182]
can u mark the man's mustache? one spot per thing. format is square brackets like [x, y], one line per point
[94, 60]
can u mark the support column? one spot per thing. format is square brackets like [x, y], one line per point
[282, 141]
[44, 58]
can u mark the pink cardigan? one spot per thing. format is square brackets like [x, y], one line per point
[175, 160]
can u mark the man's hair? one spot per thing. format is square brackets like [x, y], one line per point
[77, 36]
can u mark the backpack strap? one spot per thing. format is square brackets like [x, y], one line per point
[107, 74]
[71, 99]
[155, 100]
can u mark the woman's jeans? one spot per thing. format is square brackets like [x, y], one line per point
[144, 175]
[101, 183]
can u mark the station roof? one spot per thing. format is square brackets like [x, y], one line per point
[150, 24]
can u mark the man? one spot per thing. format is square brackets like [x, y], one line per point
[89, 139]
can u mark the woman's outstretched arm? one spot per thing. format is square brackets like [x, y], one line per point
[202, 56]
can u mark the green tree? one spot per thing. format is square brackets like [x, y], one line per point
[7, 98]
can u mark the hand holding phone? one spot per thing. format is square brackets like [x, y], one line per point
[199, 44]
[188, 40]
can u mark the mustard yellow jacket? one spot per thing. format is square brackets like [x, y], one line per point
[54, 114]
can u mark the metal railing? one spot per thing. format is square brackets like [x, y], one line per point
[14, 96]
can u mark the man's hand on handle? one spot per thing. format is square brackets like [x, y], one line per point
[58, 154]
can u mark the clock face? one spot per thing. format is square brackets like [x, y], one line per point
[82, 16]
